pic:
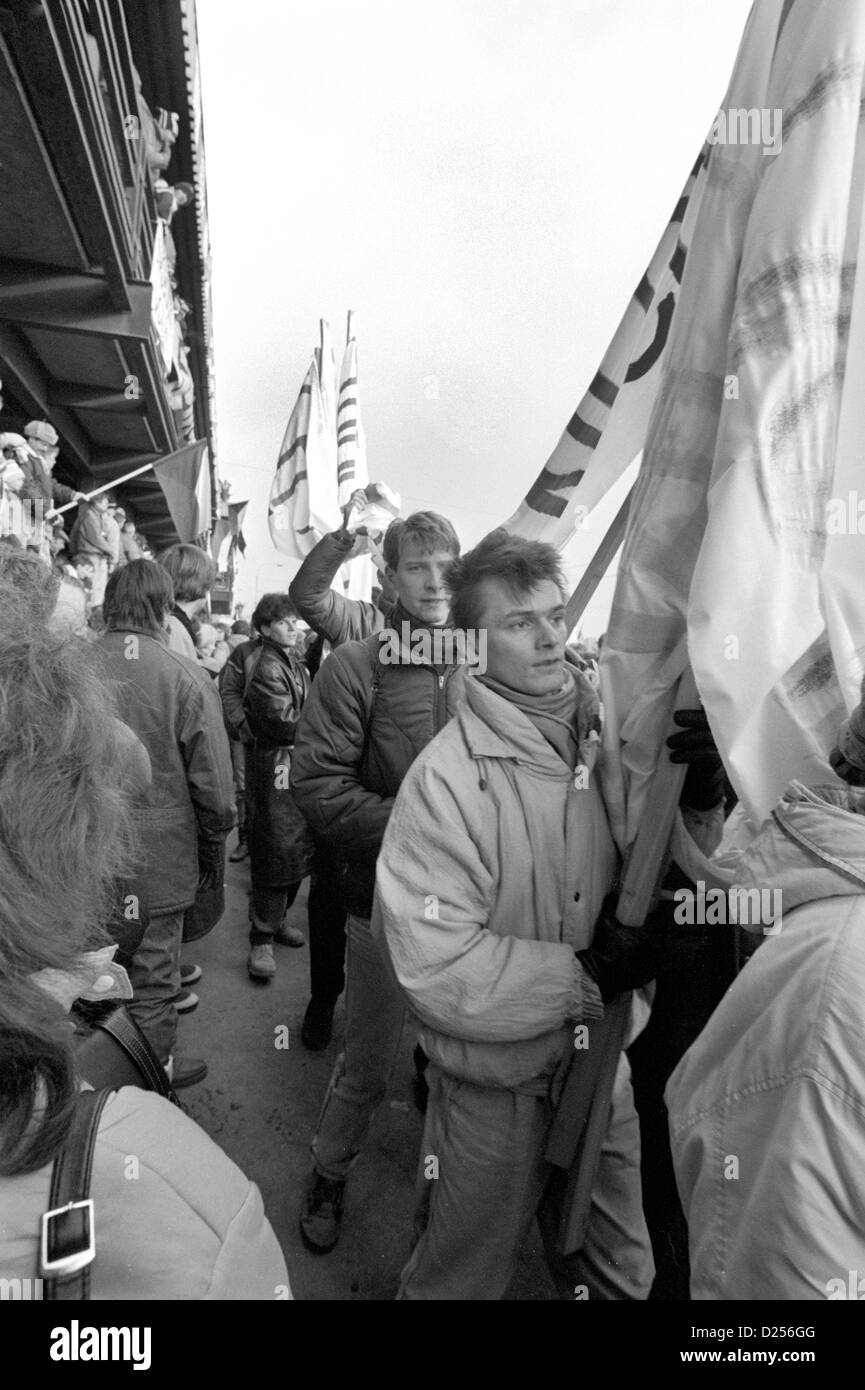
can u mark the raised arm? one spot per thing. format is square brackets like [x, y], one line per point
[328, 613]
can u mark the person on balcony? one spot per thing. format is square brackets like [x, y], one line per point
[90, 539]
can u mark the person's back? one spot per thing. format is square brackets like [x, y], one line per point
[767, 1119]
[169, 702]
[172, 705]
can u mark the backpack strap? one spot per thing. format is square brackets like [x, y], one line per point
[67, 1245]
[128, 1036]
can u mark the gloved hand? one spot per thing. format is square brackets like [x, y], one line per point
[852, 775]
[620, 958]
[352, 540]
[211, 864]
[705, 781]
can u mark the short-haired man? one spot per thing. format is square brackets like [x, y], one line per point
[494, 868]
[193, 575]
[373, 707]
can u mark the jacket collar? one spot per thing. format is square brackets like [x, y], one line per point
[161, 637]
[494, 728]
[417, 643]
[811, 847]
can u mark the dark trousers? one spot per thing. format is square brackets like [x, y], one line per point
[327, 918]
[267, 908]
[697, 967]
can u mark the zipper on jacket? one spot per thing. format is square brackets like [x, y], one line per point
[440, 703]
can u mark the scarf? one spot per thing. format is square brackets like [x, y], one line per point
[557, 716]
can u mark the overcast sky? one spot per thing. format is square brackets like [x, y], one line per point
[483, 181]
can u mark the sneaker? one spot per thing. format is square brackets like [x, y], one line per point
[185, 1071]
[186, 1001]
[260, 962]
[317, 1026]
[322, 1214]
[240, 851]
[190, 974]
[290, 936]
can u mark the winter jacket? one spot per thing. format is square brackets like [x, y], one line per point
[183, 1224]
[494, 867]
[363, 726]
[280, 845]
[335, 617]
[87, 536]
[40, 486]
[232, 683]
[767, 1108]
[171, 704]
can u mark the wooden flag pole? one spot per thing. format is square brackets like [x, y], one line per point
[106, 487]
[598, 565]
[580, 1124]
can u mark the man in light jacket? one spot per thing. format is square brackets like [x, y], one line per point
[491, 880]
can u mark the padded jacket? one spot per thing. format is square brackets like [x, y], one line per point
[362, 728]
[173, 707]
[767, 1107]
[493, 871]
[174, 1218]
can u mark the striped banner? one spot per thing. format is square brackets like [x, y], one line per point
[608, 428]
[352, 470]
[303, 498]
[356, 578]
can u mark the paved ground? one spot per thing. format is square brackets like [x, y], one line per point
[261, 1101]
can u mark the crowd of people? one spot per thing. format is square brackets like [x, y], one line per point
[462, 874]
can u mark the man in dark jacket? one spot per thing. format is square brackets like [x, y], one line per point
[374, 706]
[280, 845]
[172, 706]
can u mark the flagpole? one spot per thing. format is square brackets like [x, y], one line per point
[598, 565]
[106, 487]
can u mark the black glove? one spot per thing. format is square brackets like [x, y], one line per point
[620, 958]
[211, 864]
[705, 781]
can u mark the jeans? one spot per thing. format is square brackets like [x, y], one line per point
[374, 1013]
[267, 908]
[326, 929]
[483, 1177]
[155, 978]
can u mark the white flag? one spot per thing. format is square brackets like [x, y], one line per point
[303, 499]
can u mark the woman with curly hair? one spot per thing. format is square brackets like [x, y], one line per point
[192, 1226]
